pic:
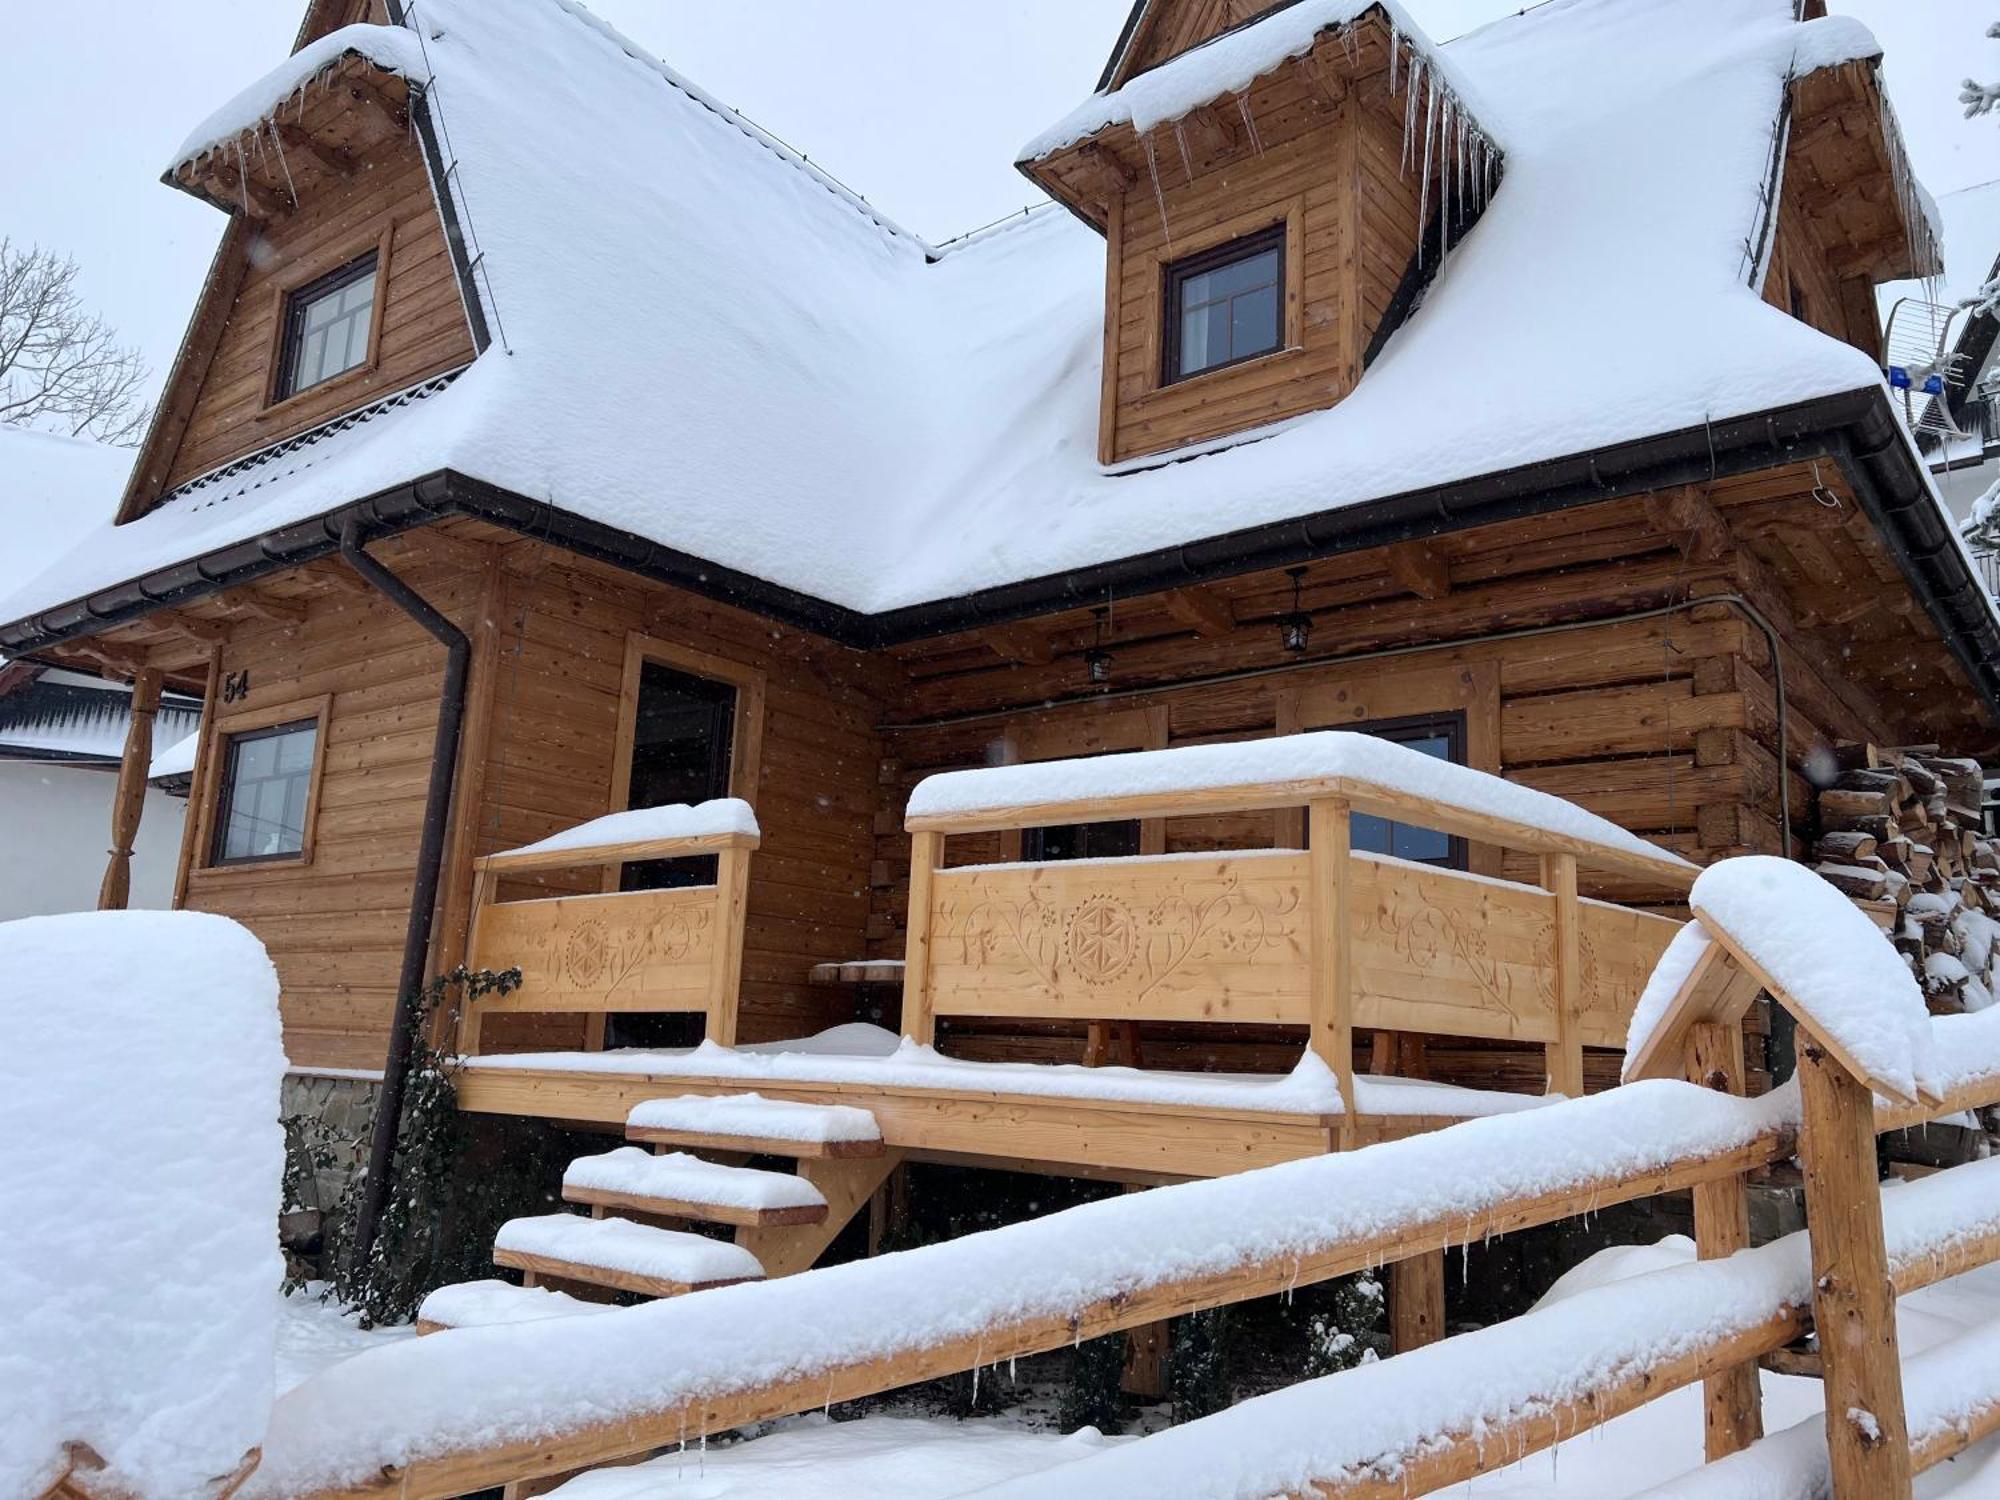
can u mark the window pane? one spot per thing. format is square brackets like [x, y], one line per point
[1259, 270]
[267, 777]
[330, 329]
[1195, 353]
[1253, 323]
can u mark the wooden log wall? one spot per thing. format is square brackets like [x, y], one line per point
[1668, 726]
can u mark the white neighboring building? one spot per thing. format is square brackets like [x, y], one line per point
[61, 733]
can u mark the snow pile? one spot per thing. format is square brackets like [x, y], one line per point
[755, 1117]
[1364, 763]
[688, 1179]
[1367, 1421]
[836, 410]
[1670, 972]
[1229, 64]
[627, 1246]
[140, 1155]
[390, 48]
[480, 1386]
[1841, 977]
[855, 1054]
[177, 759]
[718, 818]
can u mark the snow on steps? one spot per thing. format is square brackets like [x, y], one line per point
[619, 1253]
[1523, 1384]
[677, 1185]
[750, 1122]
[482, 1304]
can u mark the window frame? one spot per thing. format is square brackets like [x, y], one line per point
[258, 723]
[1174, 274]
[302, 281]
[1456, 730]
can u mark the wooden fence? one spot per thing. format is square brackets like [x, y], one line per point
[617, 951]
[1324, 936]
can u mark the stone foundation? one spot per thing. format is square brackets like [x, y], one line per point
[339, 1112]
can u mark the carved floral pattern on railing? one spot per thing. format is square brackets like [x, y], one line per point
[1105, 938]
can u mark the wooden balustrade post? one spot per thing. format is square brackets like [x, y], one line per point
[1733, 1400]
[1854, 1303]
[129, 801]
[1331, 890]
[469, 1018]
[1416, 1301]
[926, 852]
[725, 984]
[1565, 1053]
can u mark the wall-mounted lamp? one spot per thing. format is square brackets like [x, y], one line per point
[1097, 660]
[1296, 628]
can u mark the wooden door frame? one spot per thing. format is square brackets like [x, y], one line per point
[746, 733]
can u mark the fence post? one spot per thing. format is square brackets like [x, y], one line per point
[1733, 1400]
[1565, 1053]
[1854, 1304]
[926, 850]
[725, 982]
[1416, 1301]
[1330, 886]
[469, 1017]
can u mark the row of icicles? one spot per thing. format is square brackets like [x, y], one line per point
[239, 145]
[1440, 139]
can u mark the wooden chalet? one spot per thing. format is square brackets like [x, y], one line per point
[530, 462]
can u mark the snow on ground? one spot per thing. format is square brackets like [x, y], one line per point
[875, 1458]
[140, 1157]
[314, 1333]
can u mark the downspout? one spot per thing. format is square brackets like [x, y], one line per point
[430, 859]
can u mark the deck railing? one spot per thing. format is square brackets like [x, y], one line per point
[1326, 936]
[594, 954]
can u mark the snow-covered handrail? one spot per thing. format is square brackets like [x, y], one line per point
[1370, 774]
[679, 949]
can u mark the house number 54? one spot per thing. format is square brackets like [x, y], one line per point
[236, 686]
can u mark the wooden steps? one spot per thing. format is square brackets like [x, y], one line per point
[760, 1126]
[680, 1186]
[621, 1254]
[484, 1304]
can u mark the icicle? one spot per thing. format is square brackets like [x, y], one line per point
[290, 186]
[1424, 181]
[1395, 46]
[1444, 182]
[1249, 125]
[1159, 193]
[1180, 139]
[1410, 111]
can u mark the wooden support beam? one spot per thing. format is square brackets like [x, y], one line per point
[847, 1184]
[1420, 568]
[1691, 519]
[1212, 133]
[362, 91]
[926, 853]
[1021, 643]
[1416, 1301]
[1732, 1397]
[1329, 832]
[725, 970]
[1565, 1053]
[129, 801]
[1854, 1301]
[201, 632]
[1106, 170]
[249, 195]
[330, 158]
[262, 607]
[1202, 610]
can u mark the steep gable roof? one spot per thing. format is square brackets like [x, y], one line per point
[703, 342]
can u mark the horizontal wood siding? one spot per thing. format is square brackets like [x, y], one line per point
[423, 329]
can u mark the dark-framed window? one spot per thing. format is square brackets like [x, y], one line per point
[265, 794]
[1442, 735]
[1115, 840]
[683, 737]
[328, 324]
[1224, 305]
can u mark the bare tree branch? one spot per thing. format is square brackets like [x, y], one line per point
[62, 368]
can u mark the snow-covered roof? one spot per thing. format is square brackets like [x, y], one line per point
[390, 48]
[74, 719]
[54, 490]
[176, 760]
[783, 383]
[1969, 222]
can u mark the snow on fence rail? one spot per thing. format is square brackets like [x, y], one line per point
[1318, 936]
[660, 950]
[469, 1408]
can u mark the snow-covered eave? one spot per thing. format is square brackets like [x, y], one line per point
[391, 49]
[1231, 62]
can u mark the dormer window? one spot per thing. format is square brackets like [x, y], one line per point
[327, 326]
[1225, 305]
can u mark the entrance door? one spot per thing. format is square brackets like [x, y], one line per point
[683, 733]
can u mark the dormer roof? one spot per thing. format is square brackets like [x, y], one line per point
[706, 347]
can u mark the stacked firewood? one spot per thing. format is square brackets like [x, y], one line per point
[1902, 830]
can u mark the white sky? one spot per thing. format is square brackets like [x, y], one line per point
[917, 104]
